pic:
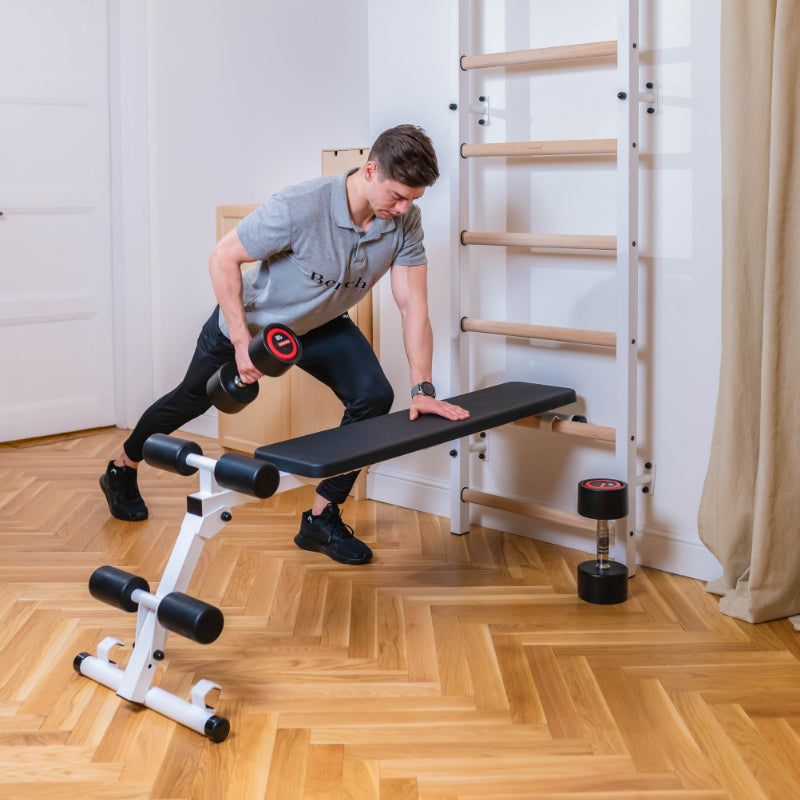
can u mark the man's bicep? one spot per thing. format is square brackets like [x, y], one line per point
[230, 248]
[410, 285]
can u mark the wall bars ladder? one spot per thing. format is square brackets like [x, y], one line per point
[623, 340]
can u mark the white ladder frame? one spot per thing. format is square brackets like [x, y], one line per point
[627, 262]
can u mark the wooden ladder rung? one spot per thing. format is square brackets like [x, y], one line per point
[529, 508]
[584, 430]
[550, 333]
[575, 147]
[545, 241]
[543, 55]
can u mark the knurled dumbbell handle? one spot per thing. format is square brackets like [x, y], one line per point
[603, 539]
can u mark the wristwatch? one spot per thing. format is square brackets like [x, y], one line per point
[425, 388]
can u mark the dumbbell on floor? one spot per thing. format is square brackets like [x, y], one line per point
[272, 352]
[603, 581]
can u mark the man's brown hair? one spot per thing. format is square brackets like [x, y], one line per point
[405, 154]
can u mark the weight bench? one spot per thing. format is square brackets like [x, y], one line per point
[233, 480]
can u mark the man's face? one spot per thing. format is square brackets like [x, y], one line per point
[389, 198]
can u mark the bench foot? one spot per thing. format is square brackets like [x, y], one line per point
[194, 714]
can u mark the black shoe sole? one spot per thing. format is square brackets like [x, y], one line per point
[307, 543]
[114, 513]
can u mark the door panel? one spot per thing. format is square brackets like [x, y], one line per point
[56, 337]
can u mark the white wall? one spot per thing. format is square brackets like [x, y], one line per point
[409, 81]
[239, 99]
[680, 252]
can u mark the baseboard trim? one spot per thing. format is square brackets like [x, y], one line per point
[206, 425]
[680, 553]
[408, 490]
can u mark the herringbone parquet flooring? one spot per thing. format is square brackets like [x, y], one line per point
[451, 668]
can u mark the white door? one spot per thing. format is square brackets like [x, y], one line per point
[55, 254]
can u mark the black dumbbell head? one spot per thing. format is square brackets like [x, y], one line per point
[602, 585]
[274, 350]
[603, 498]
[226, 391]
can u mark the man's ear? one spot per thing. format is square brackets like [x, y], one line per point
[370, 170]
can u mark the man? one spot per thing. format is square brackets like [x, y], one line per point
[322, 244]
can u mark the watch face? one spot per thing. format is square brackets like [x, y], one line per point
[425, 388]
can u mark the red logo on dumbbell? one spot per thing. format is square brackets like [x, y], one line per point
[282, 344]
[603, 483]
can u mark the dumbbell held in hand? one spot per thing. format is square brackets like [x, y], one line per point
[272, 351]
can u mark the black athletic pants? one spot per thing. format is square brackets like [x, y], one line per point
[336, 353]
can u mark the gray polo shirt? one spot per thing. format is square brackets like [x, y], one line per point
[315, 263]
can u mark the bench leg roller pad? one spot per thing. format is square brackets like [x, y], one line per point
[168, 610]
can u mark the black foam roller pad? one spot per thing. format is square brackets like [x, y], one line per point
[603, 498]
[247, 475]
[115, 587]
[187, 616]
[170, 453]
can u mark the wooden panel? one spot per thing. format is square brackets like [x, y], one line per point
[294, 404]
[320, 408]
[335, 162]
[268, 418]
[228, 217]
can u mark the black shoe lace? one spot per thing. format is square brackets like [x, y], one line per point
[127, 487]
[130, 492]
[340, 528]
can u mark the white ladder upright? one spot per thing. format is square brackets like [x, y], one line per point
[624, 340]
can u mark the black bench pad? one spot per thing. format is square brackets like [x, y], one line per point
[361, 444]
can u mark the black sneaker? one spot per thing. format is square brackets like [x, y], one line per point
[122, 493]
[329, 535]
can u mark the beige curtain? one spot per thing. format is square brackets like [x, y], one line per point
[750, 509]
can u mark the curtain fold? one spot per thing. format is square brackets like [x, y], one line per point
[749, 514]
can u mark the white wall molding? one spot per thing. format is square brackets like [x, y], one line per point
[407, 489]
[205, 425]
[680, 553]
[130, 202]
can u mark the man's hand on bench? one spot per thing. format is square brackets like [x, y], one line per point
[423, 404]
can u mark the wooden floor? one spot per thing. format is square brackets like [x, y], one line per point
[450, 668]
